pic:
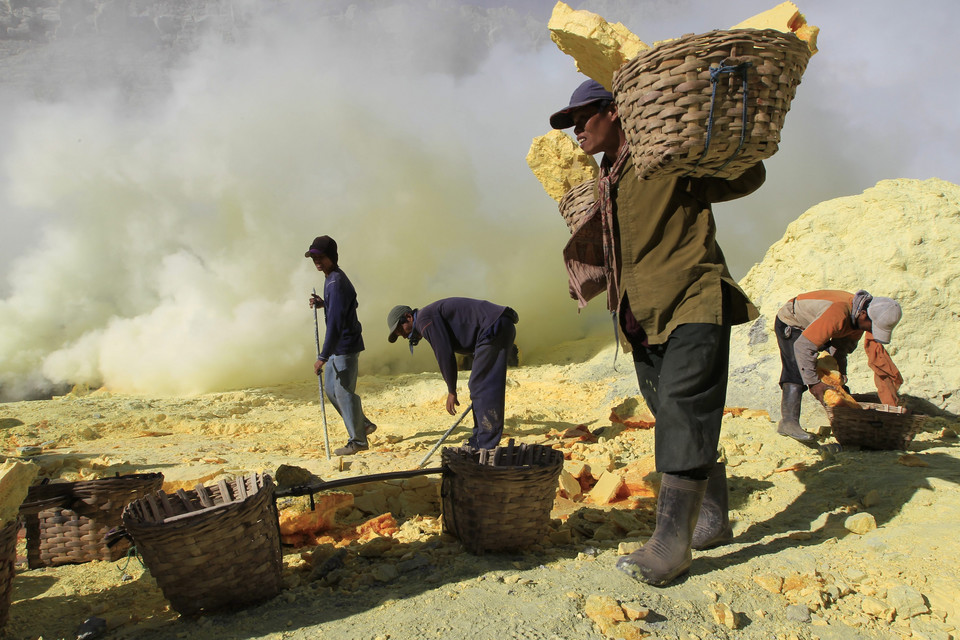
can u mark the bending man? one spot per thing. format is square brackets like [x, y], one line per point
[466, 326]
[831, 321]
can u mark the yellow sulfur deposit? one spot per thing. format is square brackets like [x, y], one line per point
[15, 479]
[598, 47]
[784, 17]
[829, 373]
[559, 163]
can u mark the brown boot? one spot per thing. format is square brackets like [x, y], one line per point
[713, 523]
[666, 554]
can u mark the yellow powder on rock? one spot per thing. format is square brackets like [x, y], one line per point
[784, 17]
[559, 163]
[15, 479]
[598, 47]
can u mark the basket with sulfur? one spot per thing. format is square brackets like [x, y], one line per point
[867, 425]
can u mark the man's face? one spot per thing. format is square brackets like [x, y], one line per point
[323, 263]
[597, 130]
[405, 328]
[864, 323]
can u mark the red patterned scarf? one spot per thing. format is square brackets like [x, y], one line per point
[606, 187]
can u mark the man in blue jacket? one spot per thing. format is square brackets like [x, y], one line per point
[466, 326]
[342, 344]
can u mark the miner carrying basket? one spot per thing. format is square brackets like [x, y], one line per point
[651, 246]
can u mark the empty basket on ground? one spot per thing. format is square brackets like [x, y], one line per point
[683, 104]
[67, 522]
[577, 203]
[217, 547]
[8, 557]
[499, 499]
[874, 426]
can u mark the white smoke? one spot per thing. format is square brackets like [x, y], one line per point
[156, 218]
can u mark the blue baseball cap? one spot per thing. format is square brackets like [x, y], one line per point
[588, 92]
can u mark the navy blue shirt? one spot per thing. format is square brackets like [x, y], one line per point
[452, 326]
[340, 313]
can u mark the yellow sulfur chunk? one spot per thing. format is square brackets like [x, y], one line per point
[559, 163]
[839, 398]
[828, 371]
[598, 47]
[15, 479]
[784, 17]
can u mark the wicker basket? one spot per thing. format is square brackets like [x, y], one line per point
[213, 548]
[67, 522]
[576, 204]
[499, 499]
[8, 558]
[874, 426]
[682, 103]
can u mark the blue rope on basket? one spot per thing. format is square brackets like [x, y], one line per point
[715, 72]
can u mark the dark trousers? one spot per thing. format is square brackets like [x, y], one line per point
[786, 339]
[684, 383]
[488, 382]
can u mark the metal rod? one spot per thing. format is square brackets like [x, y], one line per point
[310, 489]
[444, 436]
[323, 403]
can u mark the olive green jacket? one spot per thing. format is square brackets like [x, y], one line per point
[670, 265]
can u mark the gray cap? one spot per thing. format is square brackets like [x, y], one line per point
[394, 318]
[588, 92]
[884, 313]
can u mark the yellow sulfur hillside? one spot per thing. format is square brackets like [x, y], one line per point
[559, 163]
[598, 47]
[784, 17]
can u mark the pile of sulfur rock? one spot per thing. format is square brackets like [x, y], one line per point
[901, 239]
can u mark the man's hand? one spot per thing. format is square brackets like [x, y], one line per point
[818, 390]
[318, 366]
[316, 302]
[452, 403]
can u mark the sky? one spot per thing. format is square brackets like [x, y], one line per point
[157, 195]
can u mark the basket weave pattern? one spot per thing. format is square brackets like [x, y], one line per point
[67, 522]
[664, 99]
[499, 499]
[874, 426]
[216, 547]
[8, 558]
[576, 204]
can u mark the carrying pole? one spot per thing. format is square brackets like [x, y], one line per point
[444, 436]
[323, 402]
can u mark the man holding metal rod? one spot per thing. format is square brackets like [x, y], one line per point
[466, 326]
[342, 344]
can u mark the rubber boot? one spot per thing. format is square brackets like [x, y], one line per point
[713, 523]
[789, 424]
[666, 554]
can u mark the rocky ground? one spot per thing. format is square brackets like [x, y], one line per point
[848, 544]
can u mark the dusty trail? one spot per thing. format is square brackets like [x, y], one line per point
[794, 570]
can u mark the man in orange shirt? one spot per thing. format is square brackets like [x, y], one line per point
[832, 321]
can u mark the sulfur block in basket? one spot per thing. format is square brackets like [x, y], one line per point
[711, 104]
